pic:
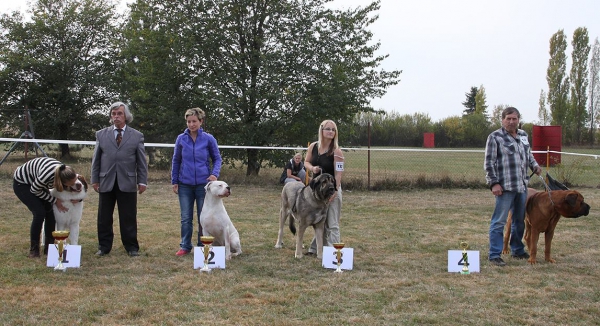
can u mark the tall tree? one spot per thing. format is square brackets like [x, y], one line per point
[57, 63]
[265, 70]
[558, 82]
[543, 110]
[470, 103]
[594, 90]
[480, 101]
[579, 82]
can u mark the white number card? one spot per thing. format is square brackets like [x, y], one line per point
[330, 258]
[456, 261]
[216, 257]
[71, 256]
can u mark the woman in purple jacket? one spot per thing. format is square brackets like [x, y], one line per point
[195, 152]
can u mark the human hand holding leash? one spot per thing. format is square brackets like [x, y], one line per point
[96, 186]
[497, 190]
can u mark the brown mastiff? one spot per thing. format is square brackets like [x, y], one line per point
[543, 212]
[505, 250]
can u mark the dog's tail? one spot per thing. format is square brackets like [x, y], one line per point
[292, 225]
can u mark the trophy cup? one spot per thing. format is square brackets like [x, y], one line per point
[206, 241]
[464, 245]
[338, 246]
[59, 242]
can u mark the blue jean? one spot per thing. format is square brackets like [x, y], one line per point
[509, 200]
[187, 195]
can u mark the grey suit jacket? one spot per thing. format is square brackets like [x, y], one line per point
[126, 163]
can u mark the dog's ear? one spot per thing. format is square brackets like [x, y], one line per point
[313, 183]
[83, 182]
[207, 186]
[571, 199]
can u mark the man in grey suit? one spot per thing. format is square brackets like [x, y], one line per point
[119, 171]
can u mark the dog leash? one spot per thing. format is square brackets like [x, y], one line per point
[548, 190]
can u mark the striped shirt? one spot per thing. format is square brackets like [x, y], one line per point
[507, 159]
[39, 174]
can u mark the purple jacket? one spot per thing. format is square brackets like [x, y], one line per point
[192, 160]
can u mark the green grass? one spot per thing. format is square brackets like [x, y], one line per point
[400, 242]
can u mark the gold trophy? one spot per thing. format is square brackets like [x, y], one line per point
[464, 245]
[338, 246]
[206, 241]
[60, 238]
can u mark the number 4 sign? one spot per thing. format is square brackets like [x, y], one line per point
[456, 262]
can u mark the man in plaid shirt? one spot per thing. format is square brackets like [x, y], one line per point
[507, 157]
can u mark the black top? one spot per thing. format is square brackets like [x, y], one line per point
[324, 161]
[295, 168]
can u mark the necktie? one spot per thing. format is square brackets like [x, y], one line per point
[119, 136]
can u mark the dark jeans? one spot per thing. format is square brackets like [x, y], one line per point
[41, 210]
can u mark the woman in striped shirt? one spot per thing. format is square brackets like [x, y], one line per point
[31, 184]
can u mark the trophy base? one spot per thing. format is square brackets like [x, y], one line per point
[60, 267]
[205, 269]
[463, 272]
[338, 270]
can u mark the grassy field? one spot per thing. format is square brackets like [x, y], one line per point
[400, 241]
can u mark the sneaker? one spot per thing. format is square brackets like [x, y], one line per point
[524, 255]
[497, 261]
[182, 252]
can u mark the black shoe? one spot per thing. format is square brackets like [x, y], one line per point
[133, 253]
[498, 262]
[310, 253]
[524, 255]
[101, 253]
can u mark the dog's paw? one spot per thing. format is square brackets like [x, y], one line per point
[551, 261]
[531, 261]
[298, 255]
[279, 245]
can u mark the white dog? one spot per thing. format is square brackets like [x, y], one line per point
[215, 221]
[70, 219]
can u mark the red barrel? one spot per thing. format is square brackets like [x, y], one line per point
[544, 137]
[428, 140]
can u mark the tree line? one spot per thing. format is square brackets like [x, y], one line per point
[265, 71]
[571, 101]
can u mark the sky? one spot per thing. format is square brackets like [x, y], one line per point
[445, 47]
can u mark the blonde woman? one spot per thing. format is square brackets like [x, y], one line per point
[325, 156]
[294, 170]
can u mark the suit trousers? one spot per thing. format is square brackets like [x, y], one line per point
[127, 208]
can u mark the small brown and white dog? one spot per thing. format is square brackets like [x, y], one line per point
[215, 221]
[70, 219]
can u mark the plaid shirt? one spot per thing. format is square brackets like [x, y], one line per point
[507, 159]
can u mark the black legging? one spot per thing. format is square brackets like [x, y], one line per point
[41, 210]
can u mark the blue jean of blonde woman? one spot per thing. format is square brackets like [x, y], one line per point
[187, 195]
[509, 200]
[332, 224]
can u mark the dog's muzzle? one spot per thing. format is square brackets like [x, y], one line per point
[76, 187]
